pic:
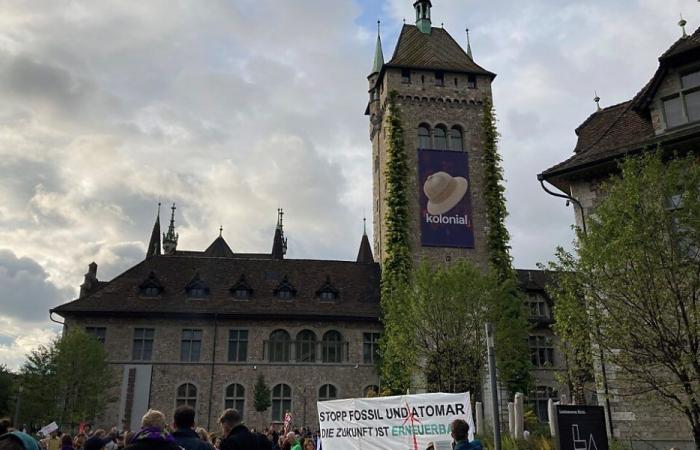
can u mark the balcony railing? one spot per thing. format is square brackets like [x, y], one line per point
[301, 352]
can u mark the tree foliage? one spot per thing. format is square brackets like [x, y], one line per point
[7, 391]
[510, 322]
[638, 269]
[396, 344]
[261, 395]
[450, 305]
[67, 381]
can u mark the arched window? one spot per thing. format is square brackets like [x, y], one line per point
[332, 346]
[327, 392]
[539, 397]
[235, 397]
[456, 140]
[306, 346]
[279, 344]
[423, 136]
[281, 401]
[371, 391]
[186, 395]
[440, 138]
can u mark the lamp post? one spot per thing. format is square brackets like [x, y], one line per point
[494, 386]
[17, 404]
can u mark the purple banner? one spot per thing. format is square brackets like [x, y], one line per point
[445, 200]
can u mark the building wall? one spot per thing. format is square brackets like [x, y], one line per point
[350, 377]
[636, 419]
[424, 102]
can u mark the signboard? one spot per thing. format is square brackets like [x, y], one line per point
[401, 422]
[48, 429]
[581, 428]
[445, 199]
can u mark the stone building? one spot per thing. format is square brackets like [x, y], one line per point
[198, 327]
[665, 112]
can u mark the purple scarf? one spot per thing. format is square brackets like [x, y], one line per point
[152, 433]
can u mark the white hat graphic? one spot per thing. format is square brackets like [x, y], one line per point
[444, 192]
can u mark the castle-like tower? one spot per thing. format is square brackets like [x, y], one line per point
[441, 92]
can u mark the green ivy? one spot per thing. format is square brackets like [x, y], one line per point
[394, 345]
[508, 317]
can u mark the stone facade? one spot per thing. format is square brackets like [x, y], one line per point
[350, 377]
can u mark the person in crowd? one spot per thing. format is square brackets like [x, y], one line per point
[184, 434]
[237, 436]
[97, 441]
[460, 436]
[16, 440]
[67, 442]
[152, 435]
[111, 440]
[309, 444]
[52, 442]
[5, 425]
[79, 441]
[203, 434]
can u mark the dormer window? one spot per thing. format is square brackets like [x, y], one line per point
[196, 288]
[241, 290]
[684, 106]
[285, 290]
[151, 287]
[327, 291]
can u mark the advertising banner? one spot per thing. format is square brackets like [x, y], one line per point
[445, 199]
[402, 422]
[581, 427]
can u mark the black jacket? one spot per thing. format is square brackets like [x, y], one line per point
[152, 444]
[240, 438]
[189, 440]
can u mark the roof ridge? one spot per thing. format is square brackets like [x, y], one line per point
[595, 113]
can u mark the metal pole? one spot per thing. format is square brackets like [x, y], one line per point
[494, 386]
[17, 403]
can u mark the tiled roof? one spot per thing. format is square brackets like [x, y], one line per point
[219, 248]
[619, 129]
[435, 51]
[358, 285]
[534, 280]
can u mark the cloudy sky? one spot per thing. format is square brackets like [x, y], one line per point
[234, 108]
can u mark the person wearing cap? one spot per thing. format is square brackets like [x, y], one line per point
[16, 440]
[153, 434]
[460, 435]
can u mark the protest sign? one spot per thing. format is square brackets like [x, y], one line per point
[48, 429]
[392, 423]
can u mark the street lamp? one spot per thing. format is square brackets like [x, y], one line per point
[490, 345]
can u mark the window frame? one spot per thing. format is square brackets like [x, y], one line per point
[442, 129]
[187, 398]
[303, 343]
[280, 400]
[237, 399]
[681, 94]
[143, 339]
[241, 345]
[282, 347]
[331, 392]
[332, 347]
[460, 131]
[405, 76]
[428, 138]
[541, 351]
[540, 402]
[99, 333]
[191, 347]
[370, 347]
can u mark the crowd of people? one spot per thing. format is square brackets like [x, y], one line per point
[157, 434]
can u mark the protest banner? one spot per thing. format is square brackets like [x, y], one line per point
[48, 429]
[400, 422]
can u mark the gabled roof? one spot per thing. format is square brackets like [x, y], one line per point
[219, 249]
[359, 284]
[434, 51]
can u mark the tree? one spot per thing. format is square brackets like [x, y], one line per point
[395, 345]
[7, 390]
[261, 395]
[511, 326]
[67, 381]
[450, 305]
[638, 269]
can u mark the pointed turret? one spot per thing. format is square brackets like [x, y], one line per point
[469, 46]
[153, 248]
[219, 248]
[378, 53]
[279, 243]
[365, 256]
[170, 238]
[423, 22]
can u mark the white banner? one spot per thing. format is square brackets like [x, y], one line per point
[48, 429]
[402, 422]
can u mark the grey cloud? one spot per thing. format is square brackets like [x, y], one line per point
[26, 291]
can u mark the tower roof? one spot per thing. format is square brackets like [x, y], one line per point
[434, 51]
[153, 248]
[219, 249]
[279, 242]
[365, 254]
[378, 54]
